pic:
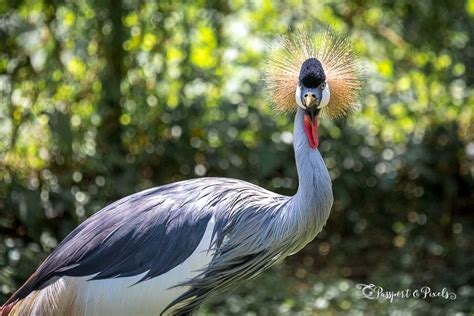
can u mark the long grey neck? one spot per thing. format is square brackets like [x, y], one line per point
[314, 196]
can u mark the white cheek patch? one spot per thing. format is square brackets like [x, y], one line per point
[298, 97]
[325, 98]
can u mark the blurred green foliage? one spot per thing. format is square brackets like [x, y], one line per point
[100, 99]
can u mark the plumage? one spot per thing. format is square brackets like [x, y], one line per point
[148, 234]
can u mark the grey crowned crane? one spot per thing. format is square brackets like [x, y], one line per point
[166, 249]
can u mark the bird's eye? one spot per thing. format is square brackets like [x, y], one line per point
[323, 86]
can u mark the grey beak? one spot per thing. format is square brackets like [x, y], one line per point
[311, 96]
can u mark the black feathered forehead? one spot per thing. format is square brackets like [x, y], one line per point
[312, 73]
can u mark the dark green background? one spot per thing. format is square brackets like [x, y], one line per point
[100, 99]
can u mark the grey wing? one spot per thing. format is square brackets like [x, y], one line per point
[152, 231]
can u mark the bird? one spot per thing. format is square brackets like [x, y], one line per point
[165, 250]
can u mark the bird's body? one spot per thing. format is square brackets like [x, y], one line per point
[166, 249]
[174, 245]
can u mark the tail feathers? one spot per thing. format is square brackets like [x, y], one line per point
[33, 304]
[55, 299]
[7, 308]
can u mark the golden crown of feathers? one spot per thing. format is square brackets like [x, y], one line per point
[339, 63]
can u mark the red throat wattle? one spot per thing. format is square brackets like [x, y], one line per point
[311, 130]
